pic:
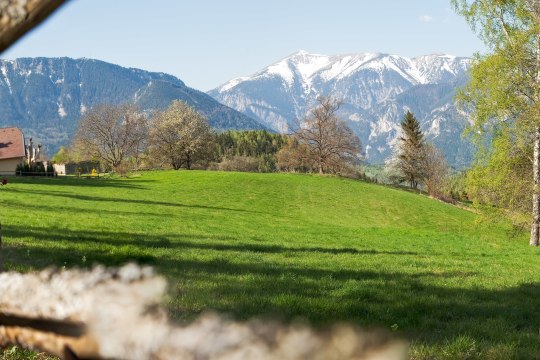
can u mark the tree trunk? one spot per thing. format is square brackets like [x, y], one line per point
[534, 240]
[188, 160]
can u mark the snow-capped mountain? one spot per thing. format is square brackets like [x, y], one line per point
[376, 89]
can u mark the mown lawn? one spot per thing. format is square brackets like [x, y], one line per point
[318, 249]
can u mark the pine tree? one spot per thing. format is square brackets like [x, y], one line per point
[411, 143]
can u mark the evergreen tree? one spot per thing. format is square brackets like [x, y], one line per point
[253, 143]
[411, 142]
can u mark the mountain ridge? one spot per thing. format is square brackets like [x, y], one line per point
[376, 88]
[45, 97]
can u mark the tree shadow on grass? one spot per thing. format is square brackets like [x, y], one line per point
[53, 209]
[84, 182]
[68, 195]
[210, 242]
[495, 322]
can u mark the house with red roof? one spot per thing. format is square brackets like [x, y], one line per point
[12, 150]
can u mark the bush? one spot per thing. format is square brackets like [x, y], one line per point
[294, 157]
[239, 163]
[124, 169]
[457, 187]
[36, 169]
[267, 163]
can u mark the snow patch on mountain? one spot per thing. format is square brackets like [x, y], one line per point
[229, 85]
[382, 126]
[61, 111]
[283, 70]
[6, 78]
[376, 90]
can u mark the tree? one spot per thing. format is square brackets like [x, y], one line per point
[499, 178]
[294, 156]
[505, 83]
[331, 144]
[249, 143]
[179, 135]
[435, 171]
[410, 155]
[62, 156]
[112, 133]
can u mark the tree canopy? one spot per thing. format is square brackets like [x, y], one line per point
[504, 91]
[112, 132]
[179, 135]
[329, 141]
[410, 156]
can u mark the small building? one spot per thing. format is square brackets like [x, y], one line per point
[12, 150]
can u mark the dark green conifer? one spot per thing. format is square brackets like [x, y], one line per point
[411, 144]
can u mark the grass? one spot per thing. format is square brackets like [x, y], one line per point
[294, 247]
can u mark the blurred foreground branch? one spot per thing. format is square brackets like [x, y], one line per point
[114, 314]
[19, 16]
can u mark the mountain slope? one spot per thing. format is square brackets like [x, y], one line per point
[45, 97]
[377, 90]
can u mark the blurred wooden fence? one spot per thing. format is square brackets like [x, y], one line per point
[115, 314]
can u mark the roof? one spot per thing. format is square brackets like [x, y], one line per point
[11, 143]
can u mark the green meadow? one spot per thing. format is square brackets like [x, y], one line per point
[290, 247]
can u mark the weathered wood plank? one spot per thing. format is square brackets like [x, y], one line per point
[115, 314]
[17, 17]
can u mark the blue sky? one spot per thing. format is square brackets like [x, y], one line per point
[207, 42]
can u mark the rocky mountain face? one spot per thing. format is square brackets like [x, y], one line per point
[46, 97]
[376, 90]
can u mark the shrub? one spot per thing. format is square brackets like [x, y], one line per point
[35, 169]
[239, 163]
[457, 187]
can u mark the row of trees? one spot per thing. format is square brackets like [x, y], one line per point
[118, 134]
[254, 143]
[252, 150]
[321, 143]
[180, 137]
[121, 136]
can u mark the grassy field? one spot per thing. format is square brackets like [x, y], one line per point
[292, 247]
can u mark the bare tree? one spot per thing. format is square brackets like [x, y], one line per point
[179, 135]
[112, 132]
[294, 156]
[435, 170]
[331, 143]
